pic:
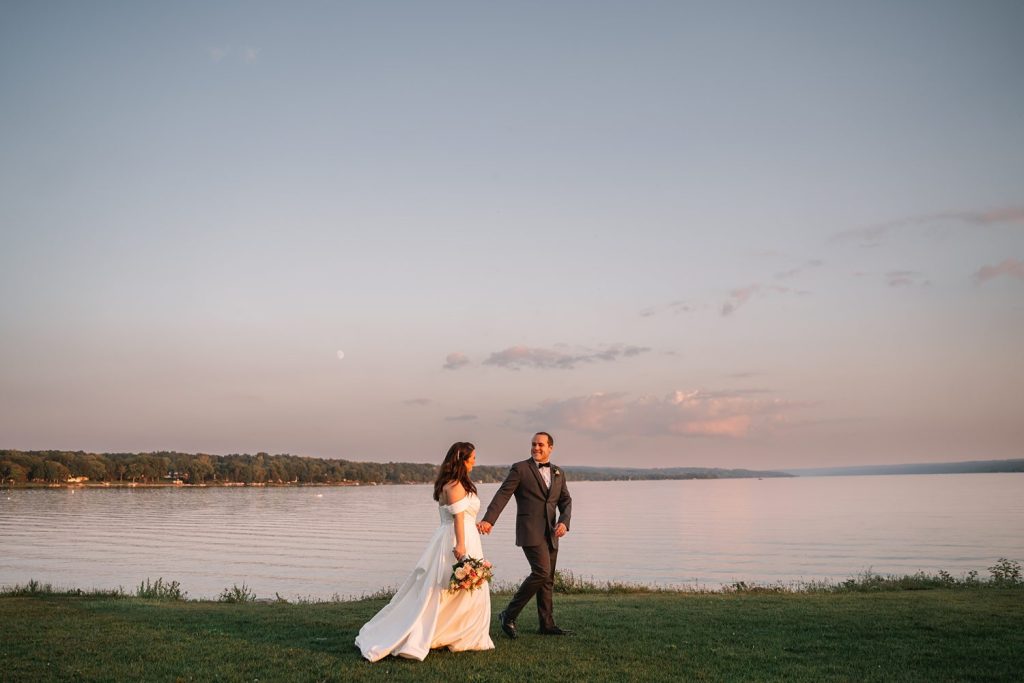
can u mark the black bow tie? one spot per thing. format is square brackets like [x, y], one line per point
[543, 464]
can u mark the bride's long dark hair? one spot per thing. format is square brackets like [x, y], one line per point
[454, 468]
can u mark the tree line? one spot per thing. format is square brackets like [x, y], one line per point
[165, 467]
[58, 467]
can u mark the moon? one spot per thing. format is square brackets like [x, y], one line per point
[341, 354]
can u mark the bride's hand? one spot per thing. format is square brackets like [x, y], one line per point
[460, 551]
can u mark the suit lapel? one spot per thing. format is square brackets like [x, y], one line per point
[554, 480]
[540, 480]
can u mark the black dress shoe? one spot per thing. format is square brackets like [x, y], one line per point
[554, 631]
[508, 625]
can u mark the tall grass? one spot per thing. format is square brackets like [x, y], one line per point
[35, 589]
[160, 590]
[237, 594]
[1005, 573]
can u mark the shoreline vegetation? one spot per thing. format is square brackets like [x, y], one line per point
[81, 469]
[869, 628]
[1003, 574]
[171, 469]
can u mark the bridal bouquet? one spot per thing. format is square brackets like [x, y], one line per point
[469, 574]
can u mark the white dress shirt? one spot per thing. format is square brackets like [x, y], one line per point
[545, 474]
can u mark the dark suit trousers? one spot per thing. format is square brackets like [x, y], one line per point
[540, 582]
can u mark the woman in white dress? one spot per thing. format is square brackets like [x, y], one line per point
[424, 614]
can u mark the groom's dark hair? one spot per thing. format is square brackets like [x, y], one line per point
[551, 439]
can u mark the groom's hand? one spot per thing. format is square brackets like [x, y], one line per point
[484, 527]
[560, 530]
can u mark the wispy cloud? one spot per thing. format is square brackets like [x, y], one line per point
[461, 418]
[741, 295]
[675, 307]
[246, 55]
[456, 360]
[793, 272]
[738, 297]
[680, 413]
[518, 357]
[873, 235]
[217, 54]
[417, 402]
[905, 278]
[1010, 268]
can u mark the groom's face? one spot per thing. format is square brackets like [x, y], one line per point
[540, 449]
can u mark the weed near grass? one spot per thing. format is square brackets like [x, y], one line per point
[160, 590]
[237, 594]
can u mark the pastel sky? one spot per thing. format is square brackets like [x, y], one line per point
[731, 234]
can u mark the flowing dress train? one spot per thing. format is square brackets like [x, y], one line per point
[424, 614]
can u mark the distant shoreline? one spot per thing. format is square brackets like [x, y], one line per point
[168, 469]
[39, 485]
[961, 467]
[221, 485]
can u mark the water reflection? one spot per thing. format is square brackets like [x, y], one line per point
[317, 542]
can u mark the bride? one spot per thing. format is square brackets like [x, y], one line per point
[424, 614]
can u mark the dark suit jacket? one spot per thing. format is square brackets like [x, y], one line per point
[535, 503]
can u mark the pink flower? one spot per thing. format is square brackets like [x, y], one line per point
[469, 574]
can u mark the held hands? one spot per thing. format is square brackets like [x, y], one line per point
[485, 528]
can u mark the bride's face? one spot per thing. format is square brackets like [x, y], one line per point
[470, 461]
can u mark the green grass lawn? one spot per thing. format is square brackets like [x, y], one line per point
[927, 635]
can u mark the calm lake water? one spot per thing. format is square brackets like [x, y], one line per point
[318, 542]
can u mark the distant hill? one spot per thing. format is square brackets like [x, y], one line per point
[628, 473]
[964, 467]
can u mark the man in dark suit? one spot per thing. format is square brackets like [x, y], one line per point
[539, 488]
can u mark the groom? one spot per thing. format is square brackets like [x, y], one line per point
[539, 487]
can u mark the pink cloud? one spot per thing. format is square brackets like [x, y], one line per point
[688, 414]
[1013, 214]
[1010, 267]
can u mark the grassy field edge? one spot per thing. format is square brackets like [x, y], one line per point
[941, 634]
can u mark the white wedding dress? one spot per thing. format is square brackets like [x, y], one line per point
[424, 614]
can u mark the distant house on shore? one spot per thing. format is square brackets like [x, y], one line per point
[77, 480]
